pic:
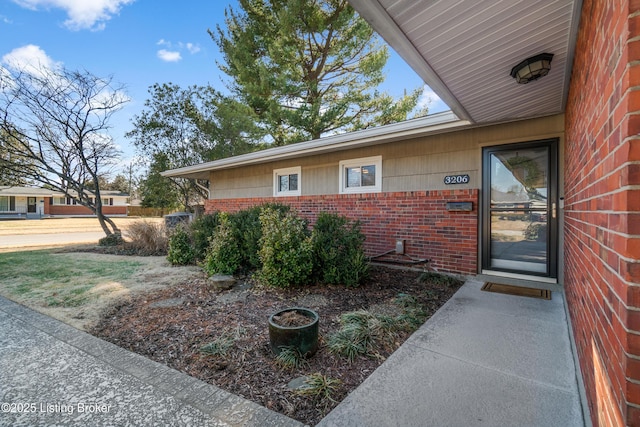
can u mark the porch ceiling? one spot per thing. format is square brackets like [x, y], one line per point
[465, 50]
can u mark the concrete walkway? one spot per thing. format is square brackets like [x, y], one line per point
[53, 374]
[484, 359]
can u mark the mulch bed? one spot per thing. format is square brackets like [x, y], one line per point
[170, 327]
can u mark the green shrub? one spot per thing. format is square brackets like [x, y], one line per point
[338, 250]
[202, 228]
[180, 247]
[113, 239]
[248, 231]
[148, 238]
[286, 252]
[223, 255]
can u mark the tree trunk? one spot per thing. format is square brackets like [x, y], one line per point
[104, 221]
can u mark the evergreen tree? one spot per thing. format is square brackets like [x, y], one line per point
[307, 68]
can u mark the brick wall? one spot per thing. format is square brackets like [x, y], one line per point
[448, 238]
[602, 208]
[82, 210]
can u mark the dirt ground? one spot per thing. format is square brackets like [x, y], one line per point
[171, 325]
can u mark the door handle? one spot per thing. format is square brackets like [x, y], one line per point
[553, 210]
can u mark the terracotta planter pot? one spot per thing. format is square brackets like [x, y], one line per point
[304, 338]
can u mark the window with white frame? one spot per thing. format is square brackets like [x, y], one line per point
[60, 200]
[286, 182]
[361, 175]
[7, 203]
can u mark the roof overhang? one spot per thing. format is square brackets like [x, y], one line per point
[25, 191]
[465, 49]
[428, 125]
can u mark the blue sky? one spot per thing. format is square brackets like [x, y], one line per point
[139, 43]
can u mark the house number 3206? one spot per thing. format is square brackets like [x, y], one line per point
[456, 179]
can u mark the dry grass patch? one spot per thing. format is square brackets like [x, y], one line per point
[76, 287]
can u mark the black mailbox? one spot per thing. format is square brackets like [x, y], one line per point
[460, 206]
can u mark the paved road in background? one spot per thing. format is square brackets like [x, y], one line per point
[49, 239]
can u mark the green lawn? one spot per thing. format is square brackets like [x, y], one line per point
[52, 279]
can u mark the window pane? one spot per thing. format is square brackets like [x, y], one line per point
[284, 183]
[4, 203]
[293, 182]
[368, 175]
[353, 177]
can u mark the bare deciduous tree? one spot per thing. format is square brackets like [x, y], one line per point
[56, 121]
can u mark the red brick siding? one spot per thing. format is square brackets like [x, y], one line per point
[81, 210]
[602, 208]
[448, 238]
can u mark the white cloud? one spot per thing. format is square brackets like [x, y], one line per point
[169, 55]
[431, 100]
[82, 14]
[193, 48]
[172, 51]
[30, 58]
[428, 98]
[5, 20]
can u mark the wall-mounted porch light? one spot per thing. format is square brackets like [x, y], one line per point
[532, 68]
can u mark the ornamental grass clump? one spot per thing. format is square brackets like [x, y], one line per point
[363, 333]
[225, 342]
[290, 357]
[319, 387]
[147, 238]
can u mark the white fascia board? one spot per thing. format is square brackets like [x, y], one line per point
[428, 125]
[376, 15]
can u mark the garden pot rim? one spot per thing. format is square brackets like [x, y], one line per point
[312, 319]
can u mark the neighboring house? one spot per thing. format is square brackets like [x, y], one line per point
[30, 202]
[538, 181]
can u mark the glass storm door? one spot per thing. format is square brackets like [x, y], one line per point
[31, 204]
[520, 208]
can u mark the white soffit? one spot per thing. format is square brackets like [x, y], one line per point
[465, 50]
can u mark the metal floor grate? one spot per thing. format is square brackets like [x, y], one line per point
[517, 290]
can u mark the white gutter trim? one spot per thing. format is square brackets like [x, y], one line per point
[435, 123]
[376, 15]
